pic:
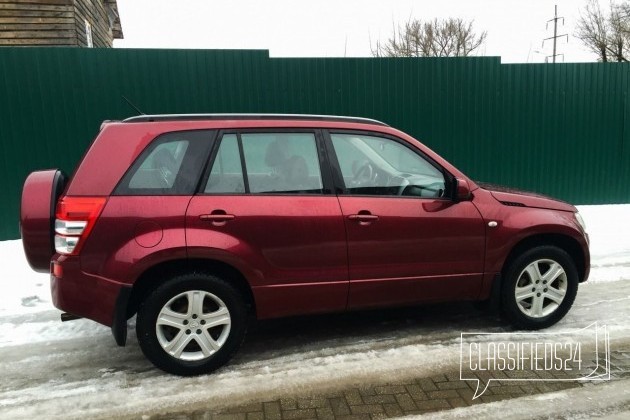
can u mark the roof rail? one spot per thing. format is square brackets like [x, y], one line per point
[308, 117]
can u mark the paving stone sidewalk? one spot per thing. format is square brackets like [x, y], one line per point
[414, 396]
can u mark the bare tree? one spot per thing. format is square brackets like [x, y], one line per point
[619, 35]
[607, 35]
[438, 38]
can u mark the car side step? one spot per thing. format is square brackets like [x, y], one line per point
[69, 317]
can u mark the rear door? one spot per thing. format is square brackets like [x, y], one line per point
[407, 241]
[266, 207]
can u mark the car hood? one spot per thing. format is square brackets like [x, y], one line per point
[518, 198]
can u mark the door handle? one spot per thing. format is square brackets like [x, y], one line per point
[364, 217]
[217, 217]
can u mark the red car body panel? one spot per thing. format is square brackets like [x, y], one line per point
[515, 224]
[418, 250]
[83, 294]
[298, 253]
[134, 233]
[298, 242]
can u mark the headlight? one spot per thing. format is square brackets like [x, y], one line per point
[580, 221]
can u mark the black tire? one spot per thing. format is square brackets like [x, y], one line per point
[192, 361]
[525, 315]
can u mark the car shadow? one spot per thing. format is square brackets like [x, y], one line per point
[426, 324]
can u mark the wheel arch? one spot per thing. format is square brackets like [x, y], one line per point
[565, 242]
[157, 274]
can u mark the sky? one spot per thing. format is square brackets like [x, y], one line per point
[338, 28]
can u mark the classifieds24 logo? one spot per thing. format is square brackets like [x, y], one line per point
[580, 355]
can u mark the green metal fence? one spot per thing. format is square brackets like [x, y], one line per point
[556, 129]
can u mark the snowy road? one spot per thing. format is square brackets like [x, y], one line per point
[75, 370]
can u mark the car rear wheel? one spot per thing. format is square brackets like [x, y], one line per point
[192, 324]
[539, 287]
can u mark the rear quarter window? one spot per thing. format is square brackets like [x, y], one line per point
[170, 165]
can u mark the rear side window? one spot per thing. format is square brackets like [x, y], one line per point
[227, 173]
[170, 165]
[266, 163]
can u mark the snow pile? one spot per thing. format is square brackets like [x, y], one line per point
[609, 231]
[23, 290]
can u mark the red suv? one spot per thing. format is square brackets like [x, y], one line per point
[194, 222]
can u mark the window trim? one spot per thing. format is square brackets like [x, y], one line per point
[340, 186]
[241, 152]
[324, 166]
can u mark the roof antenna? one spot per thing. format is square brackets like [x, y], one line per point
[132, 105]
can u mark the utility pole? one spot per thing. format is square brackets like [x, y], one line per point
[555, 35]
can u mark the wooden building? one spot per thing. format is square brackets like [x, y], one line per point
[78, 23]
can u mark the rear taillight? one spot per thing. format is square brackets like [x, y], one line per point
[74, 219]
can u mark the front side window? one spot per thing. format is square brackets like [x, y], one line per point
[266, 163]
[373, 165]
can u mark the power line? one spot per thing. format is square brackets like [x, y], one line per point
[555, 36]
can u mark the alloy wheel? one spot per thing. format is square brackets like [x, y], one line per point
[541, 288]
[193, 325]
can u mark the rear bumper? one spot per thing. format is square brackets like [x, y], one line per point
[86, 295]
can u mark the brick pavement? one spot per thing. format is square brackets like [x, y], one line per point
[394, 399]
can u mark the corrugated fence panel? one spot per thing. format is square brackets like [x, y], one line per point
[557, 129]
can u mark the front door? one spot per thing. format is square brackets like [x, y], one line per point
[407, 242]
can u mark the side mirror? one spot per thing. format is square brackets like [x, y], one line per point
[462, 190]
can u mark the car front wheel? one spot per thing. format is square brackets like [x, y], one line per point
[539, 287]
[192, 324]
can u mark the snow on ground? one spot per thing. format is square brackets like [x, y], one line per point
[74, 369]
